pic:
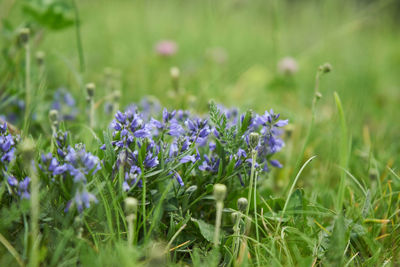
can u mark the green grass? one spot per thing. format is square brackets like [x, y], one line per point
[345, 202]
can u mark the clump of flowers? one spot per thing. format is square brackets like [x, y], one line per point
[72, 166]
[7, 146]
[184, 145]
[8, 143]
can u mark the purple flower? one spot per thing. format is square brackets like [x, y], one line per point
[188, 158]
[166, 48]
[150, 161]
[22, 187]
[177, 177]
[81, 200]
[65, 103]
[275, 163]
[79, 163]
[12, 181]
[210, 165]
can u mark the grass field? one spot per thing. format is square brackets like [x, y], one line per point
[335, 199]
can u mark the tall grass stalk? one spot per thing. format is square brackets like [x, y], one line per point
[344, 152]
[291, 191]
[27, 148]
[12, 250]
[78, 36]
[317, 95]
[24, 37]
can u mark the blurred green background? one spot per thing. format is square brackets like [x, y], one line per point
[229, 50]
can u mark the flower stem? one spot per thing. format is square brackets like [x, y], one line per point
[131, 226]
[253, 162]
[220, 206]
[34, 199]
[28, 93]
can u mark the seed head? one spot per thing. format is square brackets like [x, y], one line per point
[90, 88]
[117, 95]
[253, 140]
[24, 35]
[242, 204]
[131, 204]
[219, 192]
[40, 57]
[327, 67]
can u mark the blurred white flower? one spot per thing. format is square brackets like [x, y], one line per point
[288, 66]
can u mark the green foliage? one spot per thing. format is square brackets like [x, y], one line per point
[52, 14]
[341, 211]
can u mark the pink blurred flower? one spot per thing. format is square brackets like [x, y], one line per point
[288, 66]
[166, 48]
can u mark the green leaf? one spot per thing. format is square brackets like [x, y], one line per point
[206, 230]
[337, 242]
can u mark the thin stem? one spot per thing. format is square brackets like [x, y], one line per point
[220, 206]
[253, 162]
[291, 191]
[131, 225]
[78, 36]
[91, 113]
[311, 125]
[255, 216]
[175, 236]
[34, 199]
[12, 250]
[28, 93]
[236, 238]
[144, 206]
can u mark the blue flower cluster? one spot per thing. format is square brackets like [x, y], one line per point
[65, 103]
[8, 144]
[72, 164]
[142, 140]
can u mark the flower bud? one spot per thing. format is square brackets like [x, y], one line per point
[90, 87]
[219, 192]
[131, 204]
[175, 73]
[318, 95]
[53, 116]
[326, 68]
[117, 95]
[253, 140]
[40, 57]
[242, 204]
[24, 35]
